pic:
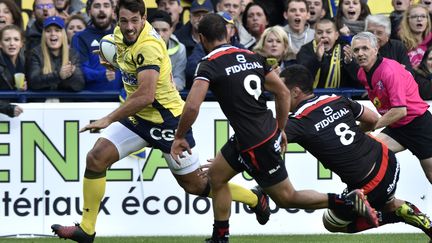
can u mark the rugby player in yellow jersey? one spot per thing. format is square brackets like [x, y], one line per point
[148, 117]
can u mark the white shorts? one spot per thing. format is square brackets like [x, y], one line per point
[127, 142]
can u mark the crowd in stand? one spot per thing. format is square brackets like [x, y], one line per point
[56, 50]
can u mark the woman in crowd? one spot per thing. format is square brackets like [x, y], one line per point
[255, 19]
[416, 33]
[10, 14]
[75, 23]
[53, 65]
[273, 45]
[350, 18]
[424, 75]
[12, 59]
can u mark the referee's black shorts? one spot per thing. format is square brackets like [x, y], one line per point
[416, 136]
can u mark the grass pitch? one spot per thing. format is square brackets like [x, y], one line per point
[330, 238]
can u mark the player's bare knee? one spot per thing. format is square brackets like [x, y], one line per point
[193, 188]
[192, 183]
[215, 180]
[94, 162]
[429, 176]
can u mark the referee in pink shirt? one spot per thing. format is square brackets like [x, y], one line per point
[394, 92]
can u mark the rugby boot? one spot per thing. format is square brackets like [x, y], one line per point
[262, 209]
[362, 207]
[75, 233]
[413, 216]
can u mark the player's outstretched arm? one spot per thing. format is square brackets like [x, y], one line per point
[391, 116]
[282, 102]
[368, 119]
[142, 97]
[191, 108]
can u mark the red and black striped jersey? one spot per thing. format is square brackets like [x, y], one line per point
[326, 127]
[236, 78]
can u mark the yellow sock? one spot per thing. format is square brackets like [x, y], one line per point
[93, 190]
[241, 194]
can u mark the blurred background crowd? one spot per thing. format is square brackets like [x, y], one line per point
[51, 47]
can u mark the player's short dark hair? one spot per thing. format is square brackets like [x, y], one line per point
[298, 76]
[90, 2]
[287, 2]
[131, 5]
[212, 27]
[160, 15]
[326, 21]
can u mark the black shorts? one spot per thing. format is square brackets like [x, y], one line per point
[416, 136]
[264, 163]
[382, 192]
[159, 136]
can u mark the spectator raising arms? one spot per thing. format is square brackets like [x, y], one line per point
[12, 57]
[350, 18]
[10, 14]
[326, 60]
[416, 33]
[52, 65]
[424, 75]
[274, 45]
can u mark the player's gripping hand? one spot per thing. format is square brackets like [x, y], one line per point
[283, 142]
[178, 146]
[104, 62]
[97, 125]
[203, 172]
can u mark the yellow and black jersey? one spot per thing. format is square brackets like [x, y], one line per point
[149, 52]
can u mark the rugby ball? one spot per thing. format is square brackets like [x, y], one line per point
[108, 49]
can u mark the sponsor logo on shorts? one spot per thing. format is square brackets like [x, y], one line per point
[133, 120]
[392, 186]
[274, 170]
[165, 134]
[277, 144]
